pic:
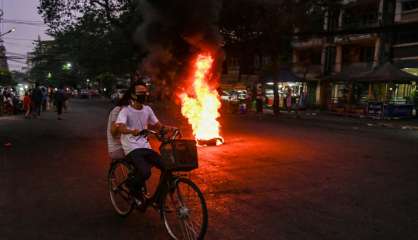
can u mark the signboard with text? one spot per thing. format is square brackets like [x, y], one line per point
[375, 109]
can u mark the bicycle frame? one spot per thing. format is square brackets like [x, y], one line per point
[167, 181]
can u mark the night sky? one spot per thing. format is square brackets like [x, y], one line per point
[21, 41]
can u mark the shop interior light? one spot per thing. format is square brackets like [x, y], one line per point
[270, 83]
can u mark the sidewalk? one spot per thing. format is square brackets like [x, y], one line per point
[323, 117]
[333, 118]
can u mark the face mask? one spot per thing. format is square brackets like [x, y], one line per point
[139, 97]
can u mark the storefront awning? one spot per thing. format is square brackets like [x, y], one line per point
[349, 74]
[388, 73]
[282, 75]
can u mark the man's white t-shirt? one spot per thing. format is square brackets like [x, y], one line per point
[136, 119]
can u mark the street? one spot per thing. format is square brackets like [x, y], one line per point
[282, 178]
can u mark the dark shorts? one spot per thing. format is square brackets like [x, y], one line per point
[144, 159]
[59, 107]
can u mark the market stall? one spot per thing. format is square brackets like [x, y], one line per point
[393, 88]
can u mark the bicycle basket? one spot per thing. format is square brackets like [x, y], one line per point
[179, 155]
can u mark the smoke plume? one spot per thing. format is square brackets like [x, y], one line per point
[173, 31]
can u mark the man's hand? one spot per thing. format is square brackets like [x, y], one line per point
[124, 130]
[135, 132]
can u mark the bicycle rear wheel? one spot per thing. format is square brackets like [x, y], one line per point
[120, 197]
[184, 211]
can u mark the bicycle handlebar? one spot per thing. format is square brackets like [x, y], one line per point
[161, 135]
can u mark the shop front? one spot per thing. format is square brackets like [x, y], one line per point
[386, 92]
[287, 84]
[295, 89]
[234, 96]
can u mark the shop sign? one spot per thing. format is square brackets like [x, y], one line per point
[399, 111]
[375, 109]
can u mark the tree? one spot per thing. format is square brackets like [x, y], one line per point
[95, 35]
[6, 78]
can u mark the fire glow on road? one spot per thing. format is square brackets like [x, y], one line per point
[201, 107]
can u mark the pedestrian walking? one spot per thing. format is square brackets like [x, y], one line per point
[36, 101]
[27, 105]
[59, 102]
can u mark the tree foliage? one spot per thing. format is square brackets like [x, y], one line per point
[95, 36]
[98, 35]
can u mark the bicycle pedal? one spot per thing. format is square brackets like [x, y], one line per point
[138, 203]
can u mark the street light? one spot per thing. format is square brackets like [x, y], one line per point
[10, 31]
[67, 66]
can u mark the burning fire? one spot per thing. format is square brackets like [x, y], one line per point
[202, 108]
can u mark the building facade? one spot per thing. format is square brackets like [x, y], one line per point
[349, 52]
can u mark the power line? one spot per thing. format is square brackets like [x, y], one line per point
[24, 20]
[20, 39]
[18, 54]
[17, 61]
[17, 44]
[24, 23]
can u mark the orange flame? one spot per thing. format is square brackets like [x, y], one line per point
[202, 109]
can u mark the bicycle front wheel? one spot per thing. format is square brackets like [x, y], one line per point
[184, 211]
[121, 199]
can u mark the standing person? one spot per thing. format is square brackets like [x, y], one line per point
[37, 100]
[131, 121]
[44, 99]
[300, 106]
[8, 103]
[59, 101]
[259, 100]
[66, 99]
[114, 145]
[51, 98]
[26, 105]
[249, 99]
[289, 100]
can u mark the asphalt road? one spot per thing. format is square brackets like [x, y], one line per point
[273, 179]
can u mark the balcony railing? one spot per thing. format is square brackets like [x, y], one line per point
[308, 71]
[356, 22]
[357, 67]
[313, 42]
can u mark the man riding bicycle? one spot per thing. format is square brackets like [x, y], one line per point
[131, 120]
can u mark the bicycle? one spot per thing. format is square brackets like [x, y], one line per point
[178, 199]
